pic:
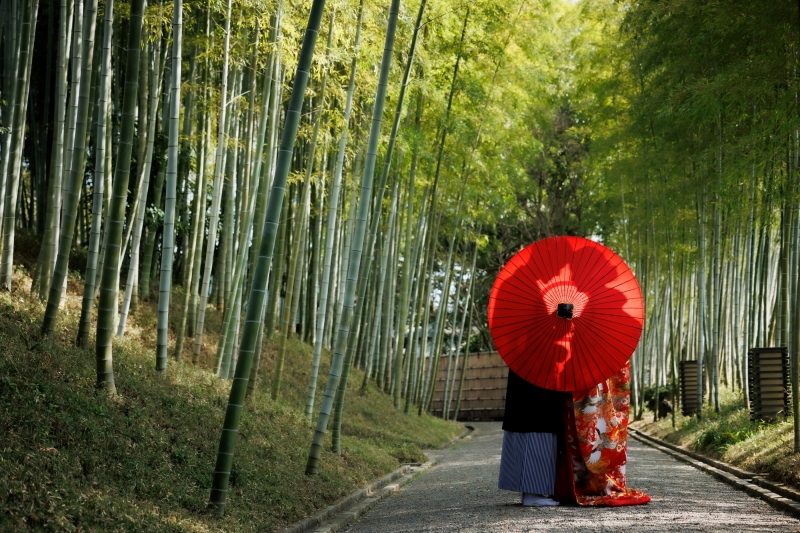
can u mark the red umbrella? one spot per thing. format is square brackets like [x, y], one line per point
[566, 313]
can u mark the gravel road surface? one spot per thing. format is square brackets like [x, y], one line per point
[460, 494]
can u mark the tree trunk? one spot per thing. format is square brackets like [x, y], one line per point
[28, 13]
[98, 180]
[108, 284]
[324, 309]
[47, 254]
[216, 199]
[144, 184]
[168, 237]
[76, 175]
[365, 200]
[255, 302]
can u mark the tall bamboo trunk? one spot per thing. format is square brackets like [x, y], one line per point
[277, 274]
[324, 309]
[108, 284]
[202, 190]
[467, 303]
[702, 311]
[222, 124]
[168, 237]
[98, 180]
[196, 241]
[247, 207]
[295, 267]
[425, 379]
[345, 259]
[415, 365]
[386, 324]
[13, 14]
[28, 13]
[204, 141]
[257, 295]
[795, 340]
[76, 175]
[441, 315]
[364, 204]
[373, 228]
[144, 185]
[457, 345]
[52, 221]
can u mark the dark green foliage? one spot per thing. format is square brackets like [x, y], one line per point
[726, 433]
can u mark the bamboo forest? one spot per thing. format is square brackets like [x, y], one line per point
[248, 249]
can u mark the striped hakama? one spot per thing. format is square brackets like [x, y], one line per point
[528, 462]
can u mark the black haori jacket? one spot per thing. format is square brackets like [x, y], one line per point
[532, 409]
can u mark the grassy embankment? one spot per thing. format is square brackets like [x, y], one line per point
[74, 459]
[730, 436]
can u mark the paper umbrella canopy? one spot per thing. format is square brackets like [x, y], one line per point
[566, 313]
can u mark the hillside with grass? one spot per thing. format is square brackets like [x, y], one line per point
[76, 459]
[732, 437]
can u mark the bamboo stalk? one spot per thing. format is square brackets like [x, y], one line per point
[257, 295]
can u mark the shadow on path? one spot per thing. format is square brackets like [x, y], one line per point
[460, 495]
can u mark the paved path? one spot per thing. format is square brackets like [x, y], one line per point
[460, 494]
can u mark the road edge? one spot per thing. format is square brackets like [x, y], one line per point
[347, 510]
[779, 496]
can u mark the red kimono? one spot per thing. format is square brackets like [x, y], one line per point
[592, 471]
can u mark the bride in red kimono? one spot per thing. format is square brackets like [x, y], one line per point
[596, 450]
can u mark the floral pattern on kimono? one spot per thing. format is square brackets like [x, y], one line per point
[597, 443]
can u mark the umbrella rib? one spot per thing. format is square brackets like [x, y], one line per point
[600, 360]
[594, 323]
[532, 288]
[562, 290]
[594, 256]
[600, 338]
[579, 357]
[635, 293]
[523, 320]
[540, 345]
[575, 359]
[604, 287]
[585, 353]
[608, 311]
[597, 279]
[608, 270]
[504, 297]
[550, 349]
[517, 283]
[518, 330]
[521, 268]
[553, 273]
[526, 351]
[581, 265]
[572, 262]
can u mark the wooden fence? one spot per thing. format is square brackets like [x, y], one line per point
[484, 394]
